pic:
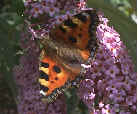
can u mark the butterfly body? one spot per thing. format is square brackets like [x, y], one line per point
[69, 45]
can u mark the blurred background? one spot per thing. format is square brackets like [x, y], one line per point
[121, 14]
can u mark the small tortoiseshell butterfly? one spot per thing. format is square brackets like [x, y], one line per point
[69, 45]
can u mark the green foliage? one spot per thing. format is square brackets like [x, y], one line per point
[9, 45]
[74, 104]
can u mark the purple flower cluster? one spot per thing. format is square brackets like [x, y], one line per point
[109, 86]
[110, 83]
[52, 7]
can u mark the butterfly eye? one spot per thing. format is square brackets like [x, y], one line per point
[56, 69]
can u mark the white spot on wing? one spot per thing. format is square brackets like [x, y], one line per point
[42, 92]
[85, 66]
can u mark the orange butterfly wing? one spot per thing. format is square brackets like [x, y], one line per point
[70, 44]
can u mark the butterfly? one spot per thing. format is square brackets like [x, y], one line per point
[68, 46]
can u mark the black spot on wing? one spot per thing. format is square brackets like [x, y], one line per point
[52, 81]
[56, 69]
[79, 35]
[70, 23]
[43, 75]
[81, 17]
[72, 39]
[45, 65]
[56, 78]
[44, 88]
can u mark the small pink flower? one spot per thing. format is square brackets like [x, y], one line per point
[101, 104]
[36, 10]
[112, 71]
